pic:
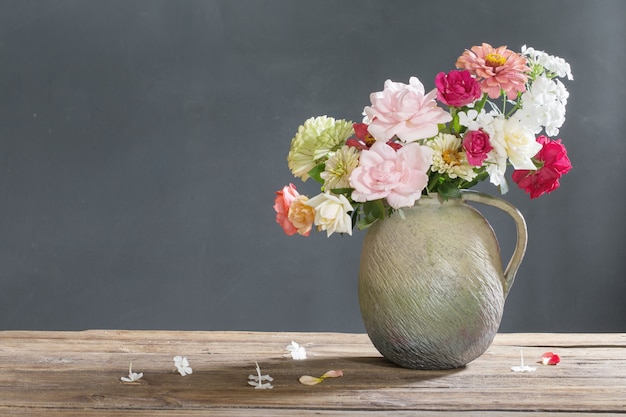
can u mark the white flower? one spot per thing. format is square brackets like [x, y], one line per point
[467, 118]
[257, 380]
[516, 140]
[132, 376]
[182, 365]
[551, 63]
[449, 157]
[297, 352]
[331, 213]
[543, 106]
[339, 167]
[522, 367]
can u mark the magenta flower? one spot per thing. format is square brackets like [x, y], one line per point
[457, 88]
[477, 145]
[555, 164]
[404, 111]
[399, 176]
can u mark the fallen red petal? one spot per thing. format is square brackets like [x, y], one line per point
[550, 358]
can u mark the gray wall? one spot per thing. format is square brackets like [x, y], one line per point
[141, 143]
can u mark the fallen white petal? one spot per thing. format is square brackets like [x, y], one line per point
[132, 376]
[256, 380]
[297, 352]
[182, 365]
[522, 367]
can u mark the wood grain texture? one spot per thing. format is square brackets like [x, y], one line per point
[78, 373]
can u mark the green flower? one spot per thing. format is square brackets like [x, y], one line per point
[315, 139]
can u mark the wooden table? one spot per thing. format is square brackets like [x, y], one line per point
[78, 374]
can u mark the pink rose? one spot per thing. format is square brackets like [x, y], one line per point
[477, 145]
[545, 179]
[399, 176]
[554, 155]
[282, 203]
[457, 88]
[404, 111]
[301, 215]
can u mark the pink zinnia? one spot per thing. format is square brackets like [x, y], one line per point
[498, 69]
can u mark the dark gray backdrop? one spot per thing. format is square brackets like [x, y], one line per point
[141, 143]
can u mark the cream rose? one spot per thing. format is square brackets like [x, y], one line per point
[331, 213]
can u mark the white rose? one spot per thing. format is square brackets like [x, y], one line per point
[331, 213]
[520, 144]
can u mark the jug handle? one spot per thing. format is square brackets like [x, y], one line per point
[520, 225]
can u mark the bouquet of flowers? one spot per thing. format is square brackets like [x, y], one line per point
[501, 109]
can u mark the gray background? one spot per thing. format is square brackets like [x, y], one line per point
[141, 143]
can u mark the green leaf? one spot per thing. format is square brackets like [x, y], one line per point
[478, 178]
[316, 172]
[456, 125]
[372, 212]
[344, 191]
[355, 215]
[365, 223]
[478, 107]
[449, 190]
[375, 209]
[433, 181]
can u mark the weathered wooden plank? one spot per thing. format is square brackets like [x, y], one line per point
[612, 340]
[233, 412]
[79, 371]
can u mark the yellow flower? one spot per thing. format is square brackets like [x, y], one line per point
[314, 140]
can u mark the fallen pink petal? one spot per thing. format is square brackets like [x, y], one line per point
[311, 380]
[332, 374]
[550, 358]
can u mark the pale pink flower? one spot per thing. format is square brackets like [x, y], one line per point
[497, 69]
[399, 176]
[404, 111]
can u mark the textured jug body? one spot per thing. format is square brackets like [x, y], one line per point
[431, 285]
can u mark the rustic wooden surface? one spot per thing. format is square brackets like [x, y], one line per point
[78, 374]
